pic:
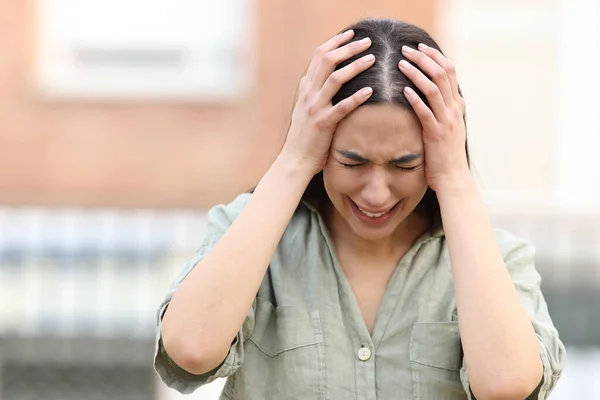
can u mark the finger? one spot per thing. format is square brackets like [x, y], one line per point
[338, 78]
[426, 116]
[445, 63]
[330, 60]
[346, 106]
[427, 87]
[433, 70]
[326, 47]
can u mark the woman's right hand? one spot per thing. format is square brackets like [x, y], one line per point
[314, 119]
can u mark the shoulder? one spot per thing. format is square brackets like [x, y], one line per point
[511, 245]
[230, 211]
[516, 251]
[223, 215]
[220, 217]
[519, 257]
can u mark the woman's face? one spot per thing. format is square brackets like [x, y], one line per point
[375, 174]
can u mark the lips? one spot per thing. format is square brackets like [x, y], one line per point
[373, 218]
[373, 214]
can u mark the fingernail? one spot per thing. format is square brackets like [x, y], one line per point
[423, 46]
[404, 64]
[366, 91]
[368, 58]
[408, 91]
[407, 49]
[365, 40]
[348, 32]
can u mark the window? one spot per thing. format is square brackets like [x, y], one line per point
[140, 49]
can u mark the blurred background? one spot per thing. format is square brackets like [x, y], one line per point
[122, 122]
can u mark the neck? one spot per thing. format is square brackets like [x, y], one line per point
[391, 246]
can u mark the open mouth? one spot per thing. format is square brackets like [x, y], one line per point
[373, 218]
[373, 215]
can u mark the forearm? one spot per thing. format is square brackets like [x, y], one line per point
[211, 303]
[499, 341]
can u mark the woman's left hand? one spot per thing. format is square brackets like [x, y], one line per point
[444, 132]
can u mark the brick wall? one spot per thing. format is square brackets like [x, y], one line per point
[161, 154]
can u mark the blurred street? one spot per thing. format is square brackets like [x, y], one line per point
[122, 123]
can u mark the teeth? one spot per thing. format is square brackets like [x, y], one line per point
[371, 215]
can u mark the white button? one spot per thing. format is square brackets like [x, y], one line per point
[364, 354]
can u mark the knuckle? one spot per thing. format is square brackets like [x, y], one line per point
[345, 106]
[304, 95]
[449, 118]
[303, 83]
[432, 91]
[312, 109]
[320, 51]
[322, 123]
[450, 67]
[355, 101]
[425, 115]
[328, 59]
[350, 104]
[440, 74]
[335, 78]
[457, 112]
[342, 110]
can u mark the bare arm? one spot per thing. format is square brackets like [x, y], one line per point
[499, 341]
[198, 327]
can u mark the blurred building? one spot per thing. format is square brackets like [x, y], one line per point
[121, 122]
[111, 115]
[108, 141]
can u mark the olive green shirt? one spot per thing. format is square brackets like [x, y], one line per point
[305, 338]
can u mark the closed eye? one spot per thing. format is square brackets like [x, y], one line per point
[393, 165]
[350, 165]
[407, 168]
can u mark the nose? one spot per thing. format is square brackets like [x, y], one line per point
[376, 192]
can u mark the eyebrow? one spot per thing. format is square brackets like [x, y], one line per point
[405, 159]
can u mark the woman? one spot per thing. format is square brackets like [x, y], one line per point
[363, 265]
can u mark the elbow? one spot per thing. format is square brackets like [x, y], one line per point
[504, 393]
[191, 362]
[507, 389]
[519, 384]
[190, 355]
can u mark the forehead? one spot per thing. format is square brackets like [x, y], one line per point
[384, 129]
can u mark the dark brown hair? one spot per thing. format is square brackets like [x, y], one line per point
[387, 38]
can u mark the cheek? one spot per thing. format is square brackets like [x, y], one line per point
[411, 184]
[340, 180]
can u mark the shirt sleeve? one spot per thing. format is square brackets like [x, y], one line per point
[519, 257]
[219, 218]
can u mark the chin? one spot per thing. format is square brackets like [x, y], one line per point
[372, 234]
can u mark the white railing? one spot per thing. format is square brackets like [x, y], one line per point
[99, 272]
[103, 272]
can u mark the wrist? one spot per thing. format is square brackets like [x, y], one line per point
[294, 167]
[456, 185]
[292, 170]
